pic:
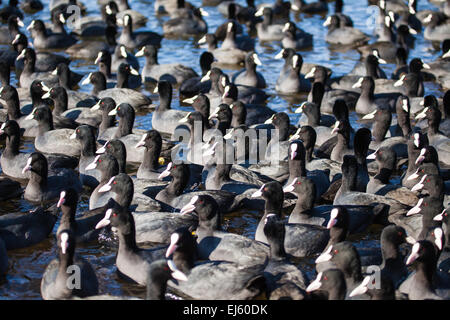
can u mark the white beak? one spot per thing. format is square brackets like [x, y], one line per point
[419, 185]
[310, 74]
[405, 105]
[370, 115]
[105, 221]
[359, 83]
[61, 199]
[423, 114]
[333, 218]
[398, 83]
[296, 135]
[21, 55]
[279, 55]
[134, 71]
[258, 193]
[173, 244]
[325, 256]
[440, 216]
[438, 235]
[190, 207]
[141, 52]
[99, 56]
[87, 80]
[372, 156]
[190, 100]
[206, 77]
[27, 166]
[414, 254]
[93, 164]
[293, 151]
[361, 289]
[166, 172]
[316, 284]
[214, 114]
[327, 22]
[31, 26]
[225, 92]
[96, 106]
[290, 187]
[113, 112]
[229, 134]
[259, 13]
[123, 52]
[31, 115]
[46, 95]
[428, 18]
[141, 143]
[64, 242]
[102, 149]
[270, 120]
[176, 274]
[415, 209]
[414, 176]
[256, 59]
[107, 186]
[202, 40]
[16, 39]
[416, 140]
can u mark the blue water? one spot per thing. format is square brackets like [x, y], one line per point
[27, 265]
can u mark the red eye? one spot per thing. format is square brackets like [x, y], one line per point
[299, 182]
[421, 170]
[265, 189]
[201, 201]
[174, 167]
[432, 234]
[336, 251]
[114, 214]
[325, 278]
[428, 180]
[78, 131]
[400, 233]
[108, 146]
[425, 204]
[99, 160]
[102, 103]
[118, 108]
[115, 182]
[445, 214]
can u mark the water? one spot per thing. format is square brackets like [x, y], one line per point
[27, 265]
